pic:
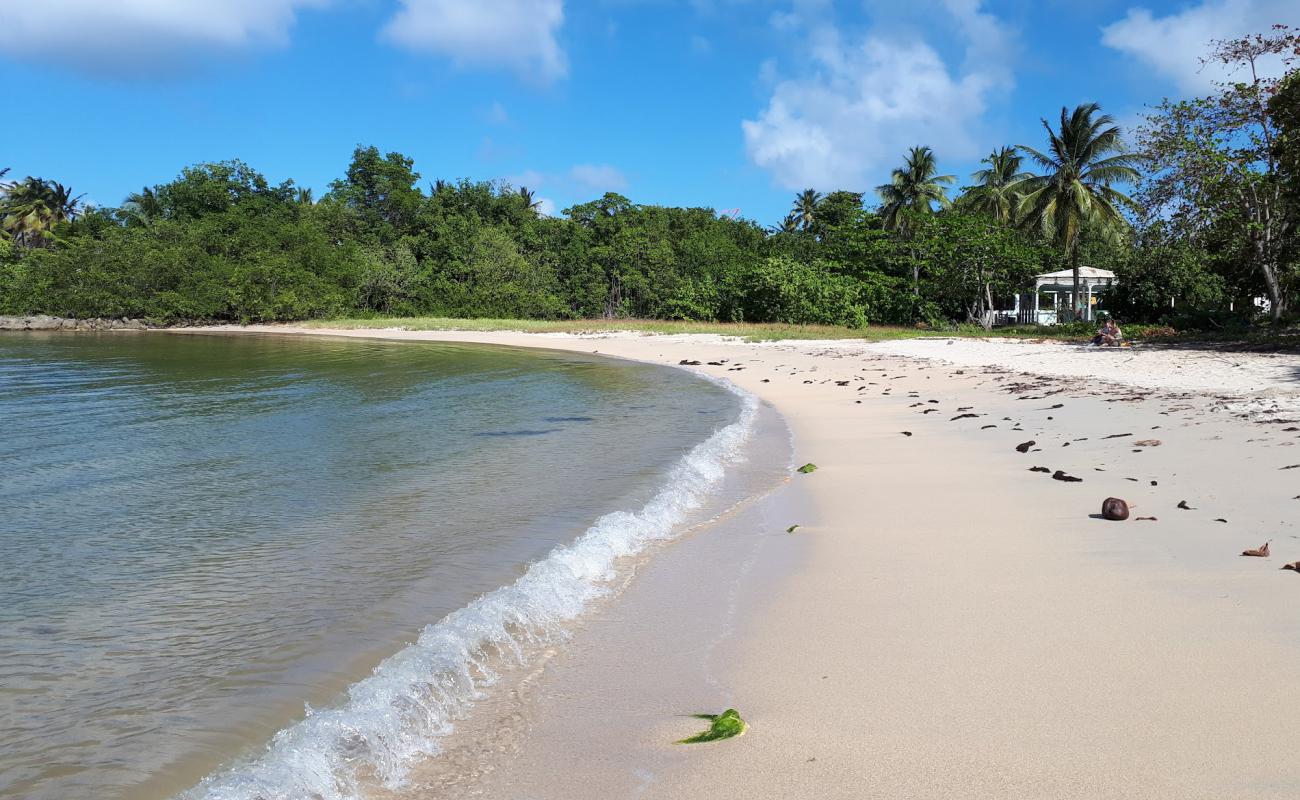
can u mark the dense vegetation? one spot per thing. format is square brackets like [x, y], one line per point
[1198, 218]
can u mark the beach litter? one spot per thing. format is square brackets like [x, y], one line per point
[1258, 552]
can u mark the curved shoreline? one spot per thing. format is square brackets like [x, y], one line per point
[395, 719]
[962, 627]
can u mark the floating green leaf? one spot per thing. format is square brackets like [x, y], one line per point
[807, 468]
[791, 529]
[722, 726]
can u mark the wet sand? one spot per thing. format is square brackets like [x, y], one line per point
[947, 622]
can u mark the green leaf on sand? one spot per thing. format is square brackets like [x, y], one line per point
[791, 529]
[807, 468]
[722, 726]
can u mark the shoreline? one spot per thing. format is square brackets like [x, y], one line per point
[999, 642]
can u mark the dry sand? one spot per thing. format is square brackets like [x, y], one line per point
[950, 624]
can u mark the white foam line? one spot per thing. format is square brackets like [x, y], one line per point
[397, 716]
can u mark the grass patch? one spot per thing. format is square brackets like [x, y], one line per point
[722, 726]
[1262, 338]
[753, 332]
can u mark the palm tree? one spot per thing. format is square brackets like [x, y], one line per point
[304, 196]
[1083, 159]
[804, 210]
[34, 206]
[528, 196]
[66, 207]
[998, 188]
[914, 188]
[142, 207]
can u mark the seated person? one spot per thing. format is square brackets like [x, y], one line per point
[1109, 336]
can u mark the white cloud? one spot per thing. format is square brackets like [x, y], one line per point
[1174, 44]
[514, 34]
[860, 105]
[529, 178]
[598, 178]
[546, 207]
[127, 36]
[497, 114]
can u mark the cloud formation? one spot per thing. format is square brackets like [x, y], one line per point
[519, 35]
[130, 38]
[860, 104]
[1174, 44]
[598, 178]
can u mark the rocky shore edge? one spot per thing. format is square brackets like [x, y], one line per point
[44, 322]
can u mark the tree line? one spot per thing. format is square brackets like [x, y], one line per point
[1197, 216]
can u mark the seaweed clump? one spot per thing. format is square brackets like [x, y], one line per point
[721, 726]
[807, 468]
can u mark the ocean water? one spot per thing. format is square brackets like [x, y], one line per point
[269, 567]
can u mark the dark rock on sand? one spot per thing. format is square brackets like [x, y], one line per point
[1060, 475]
[1023, 447]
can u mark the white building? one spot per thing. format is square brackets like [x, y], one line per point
[1049, 302]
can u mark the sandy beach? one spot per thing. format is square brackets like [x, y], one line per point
[948, 622]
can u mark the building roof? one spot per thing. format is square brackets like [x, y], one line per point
[1084, 272]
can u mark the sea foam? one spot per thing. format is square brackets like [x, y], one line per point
[397, 716]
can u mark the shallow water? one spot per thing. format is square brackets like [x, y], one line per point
[201, 534]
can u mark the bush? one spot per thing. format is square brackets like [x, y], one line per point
[780, 289]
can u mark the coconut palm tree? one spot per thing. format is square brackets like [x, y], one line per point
[529, 198]
[142, 207]
[1083, 161]
[33, 207]
[998, 187]
[804, 210]
[914, 188]
[66, 207]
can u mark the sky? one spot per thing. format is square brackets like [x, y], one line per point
[726, 104]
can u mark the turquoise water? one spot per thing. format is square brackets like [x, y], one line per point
[203, 534]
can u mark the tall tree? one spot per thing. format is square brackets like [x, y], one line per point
[804, 210]
[1220, 164]
[33, 207]
[1085, 157]
[529, 198]
[998, 187]
[914, 190]
[141, 208]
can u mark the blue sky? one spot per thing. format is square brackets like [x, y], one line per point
[718, 103]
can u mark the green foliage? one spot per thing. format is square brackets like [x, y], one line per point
[1163, 279]
[807, 469]
[1219, 210]
[721, 726]
[782, 290]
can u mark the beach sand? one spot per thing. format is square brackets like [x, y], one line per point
[947, 623]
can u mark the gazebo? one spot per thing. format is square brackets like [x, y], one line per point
[1049, 302]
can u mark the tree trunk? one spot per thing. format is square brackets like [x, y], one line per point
[1074, 290]
[916, 275]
